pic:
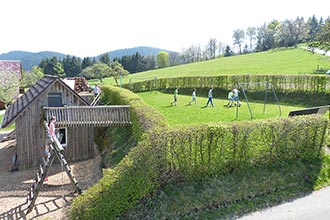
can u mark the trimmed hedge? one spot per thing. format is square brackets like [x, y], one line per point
[136, 175]
[311, 89]
[165, 154]
[197, 151]
[283, 83]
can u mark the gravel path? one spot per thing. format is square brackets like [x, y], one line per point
[55, 196]
[315, 206]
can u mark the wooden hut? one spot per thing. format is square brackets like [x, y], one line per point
[75, 128]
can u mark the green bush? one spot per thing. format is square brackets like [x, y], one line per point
[136, 175]
[197, 151]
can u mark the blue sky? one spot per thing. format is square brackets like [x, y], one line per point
[91, 27]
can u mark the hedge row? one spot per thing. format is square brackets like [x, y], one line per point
[163, 154]
[282, 83]
[308, 89]
[197, 151]
[135, 176]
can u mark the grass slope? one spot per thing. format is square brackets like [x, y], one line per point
[277, 61]
[231, 195]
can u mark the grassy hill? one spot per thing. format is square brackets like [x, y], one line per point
[277, 61]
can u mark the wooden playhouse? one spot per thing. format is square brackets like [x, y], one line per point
[76, 120]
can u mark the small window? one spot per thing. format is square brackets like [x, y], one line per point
[62, 136]
[55, 99]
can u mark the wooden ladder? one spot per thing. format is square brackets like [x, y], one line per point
[96, 100]
[56, 151]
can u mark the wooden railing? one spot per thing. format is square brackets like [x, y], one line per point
[95, 116]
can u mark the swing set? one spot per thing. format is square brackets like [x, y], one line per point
[268, 87]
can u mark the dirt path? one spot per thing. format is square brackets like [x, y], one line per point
[55, 196]
[315, 206]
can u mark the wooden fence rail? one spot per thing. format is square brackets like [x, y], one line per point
[93, 116]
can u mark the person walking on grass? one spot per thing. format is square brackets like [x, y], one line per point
[194, 99]
[210, 96]
[176, 91]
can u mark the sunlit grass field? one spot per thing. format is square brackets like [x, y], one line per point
[277, 61]
[184, 113]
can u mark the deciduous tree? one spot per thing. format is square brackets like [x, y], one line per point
[251, 33]
[322, 39]
[9, 84]
[238, 37]
[162, 59]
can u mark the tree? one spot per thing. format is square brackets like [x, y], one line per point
[104, 58]
[314, 28]
[150, 62]
[52, 67]
[192, 54]
[71, 66]
[30, 78]
[212, 47]
[86, 63]
[265, 37]
[251, 33]
[228, 51]
[290, 33]
[238, 37]
[322, 39]
[9, 84]
[98, 71]
[245, 49]
[221, 48]
[117, 70]
[162, 59]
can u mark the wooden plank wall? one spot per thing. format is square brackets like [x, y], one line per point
[80, 144]
[30, 136]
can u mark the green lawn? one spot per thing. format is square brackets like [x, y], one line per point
[184, 113]
[277, 61]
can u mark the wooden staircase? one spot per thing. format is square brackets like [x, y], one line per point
[56, 150]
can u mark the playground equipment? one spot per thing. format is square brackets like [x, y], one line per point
[56, 150]
[268, 86]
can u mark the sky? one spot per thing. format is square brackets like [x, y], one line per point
[87, 28]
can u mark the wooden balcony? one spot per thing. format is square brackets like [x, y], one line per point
[91, 116]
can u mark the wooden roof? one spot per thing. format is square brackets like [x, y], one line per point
[92, 116]
[29, 96]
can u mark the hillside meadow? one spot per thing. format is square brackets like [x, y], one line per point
[277, 61]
